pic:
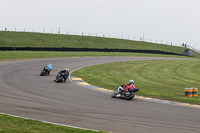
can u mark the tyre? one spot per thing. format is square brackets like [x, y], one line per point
[113, 95]
[130, 96]
[59, 78]
[42, 74]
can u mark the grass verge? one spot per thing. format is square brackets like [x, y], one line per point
[164, 79]
[19, 55]
[9, 124]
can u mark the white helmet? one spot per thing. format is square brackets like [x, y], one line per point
[131, 81]
[67, 69]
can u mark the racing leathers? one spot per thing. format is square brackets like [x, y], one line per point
[129, 86]
[65, 74]
[48, 68]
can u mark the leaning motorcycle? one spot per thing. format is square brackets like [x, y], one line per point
[44, 72]
[62, 76]
[59, 78]
[121, 93]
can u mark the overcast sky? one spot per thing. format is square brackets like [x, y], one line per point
[176, 21]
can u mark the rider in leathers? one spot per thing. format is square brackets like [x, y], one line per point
[65, 73]
[48, 68]
[130, 85]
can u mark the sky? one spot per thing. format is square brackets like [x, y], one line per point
[161, 21]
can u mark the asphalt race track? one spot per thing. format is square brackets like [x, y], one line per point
[24, 93]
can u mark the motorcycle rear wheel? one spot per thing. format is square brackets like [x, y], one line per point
[130, 96]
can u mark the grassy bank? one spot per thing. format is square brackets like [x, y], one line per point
[9, 124]
[164, 79]
[25, 39]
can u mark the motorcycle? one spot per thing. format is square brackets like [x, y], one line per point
[121, 93]
[44, 72]
[62, 76]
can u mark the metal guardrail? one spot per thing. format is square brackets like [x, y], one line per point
[127, 37]
[198, 51]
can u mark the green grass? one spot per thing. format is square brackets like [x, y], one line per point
[19, 55]
[164, 79]
[9, 124]
[25, 39]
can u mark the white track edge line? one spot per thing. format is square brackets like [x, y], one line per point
[49, 122]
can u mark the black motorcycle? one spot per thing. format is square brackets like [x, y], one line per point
[45, 71]
[62, 76]
[121, 93]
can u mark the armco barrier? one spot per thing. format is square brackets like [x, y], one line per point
[64, 49]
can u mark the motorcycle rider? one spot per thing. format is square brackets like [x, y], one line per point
[129, 86]
[126, 91]
[64, 73]
[48, 68]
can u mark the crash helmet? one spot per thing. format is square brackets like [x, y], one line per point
[131, 81]
[67, 69]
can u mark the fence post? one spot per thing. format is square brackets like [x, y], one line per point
[59, 30]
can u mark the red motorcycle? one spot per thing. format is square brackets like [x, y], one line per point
[122, 93]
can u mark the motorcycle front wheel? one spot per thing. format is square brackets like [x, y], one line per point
[113, 95]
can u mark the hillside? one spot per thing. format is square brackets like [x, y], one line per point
[27, 39]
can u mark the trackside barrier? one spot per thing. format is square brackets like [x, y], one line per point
[65, 49]
[191, 92]
[194, 92]
[188, 92]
